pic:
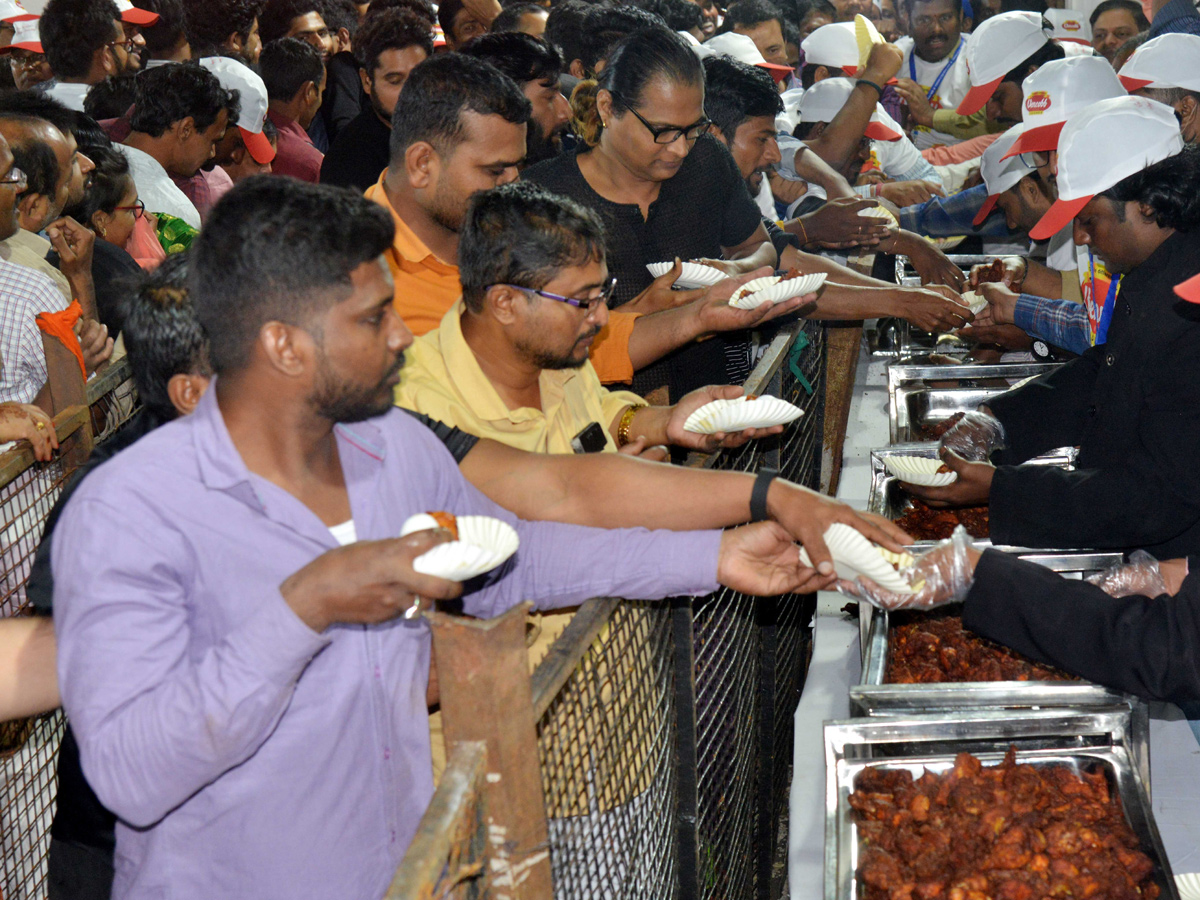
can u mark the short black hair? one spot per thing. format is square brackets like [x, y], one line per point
[112, 97]
[957, 4]
[749, 13]
[441, 89]
[824, 7]
[163, 334]
[510, 16]
[1048, 52]
[73, 30]
[339, 14]
[287, 64]
[446, 12]
[42, 106]
[1130, 6]
[524, 235]
[603, 28]
[393, 29]
[680, 15]
[520, 56]
[1037, 6]
[564, 28]
[33, 156]
[735, 92]
[1169, 96]
[278, 249]
[167, 94]
[275, 20]
[1171, 187]
[109, 183]
[165, 34]
[209, 23]
[422, 8]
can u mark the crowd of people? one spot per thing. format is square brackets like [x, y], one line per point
[368, 260]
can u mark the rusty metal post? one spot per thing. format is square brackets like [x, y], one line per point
[483, 675]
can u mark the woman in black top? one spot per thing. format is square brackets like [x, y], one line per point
[663, 188]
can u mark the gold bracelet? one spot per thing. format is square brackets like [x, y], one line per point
[626, 421]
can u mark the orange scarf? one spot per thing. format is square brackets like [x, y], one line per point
[62, 326]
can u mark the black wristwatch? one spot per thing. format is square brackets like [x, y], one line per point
[1042, 351]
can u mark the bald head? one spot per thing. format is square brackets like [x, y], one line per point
[43, 153]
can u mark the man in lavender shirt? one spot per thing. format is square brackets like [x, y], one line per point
[245, 698]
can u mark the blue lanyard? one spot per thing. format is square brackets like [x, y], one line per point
[1110, 302]
[937, 82]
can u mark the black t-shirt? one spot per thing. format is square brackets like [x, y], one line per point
[705, 206]
[359, 154]
[344, 96]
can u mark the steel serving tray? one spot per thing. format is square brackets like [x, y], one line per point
[1081, 740]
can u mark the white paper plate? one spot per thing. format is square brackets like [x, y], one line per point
[777, 291]
[483, 544]
[877, 212]
[975, 301]
[693, 275]
[919, 470]
[736, 415]
[854, 556]
[1188, 886]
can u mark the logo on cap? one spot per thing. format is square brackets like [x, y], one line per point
[1071, 25]
[1037, 103]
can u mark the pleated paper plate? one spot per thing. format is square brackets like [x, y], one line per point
[919, 470]
[483, 544]
[866, 36]
[737, 415]
[772, 290]
[693, 275]
[975, 301]
[855, 556]
[1188, 886]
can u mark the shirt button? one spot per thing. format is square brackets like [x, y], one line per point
[1091, 411]
[1128, 309]
[1110, 360]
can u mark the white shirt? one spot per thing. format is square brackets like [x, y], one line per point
[156, 189]
[345, 534]
[950, 92]
[69, 95]
[23, 294]
[1061, 252]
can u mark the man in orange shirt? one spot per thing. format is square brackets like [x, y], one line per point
[458, 128]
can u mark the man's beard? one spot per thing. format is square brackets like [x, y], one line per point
[544, 359]
[538, 147]
[337, 401]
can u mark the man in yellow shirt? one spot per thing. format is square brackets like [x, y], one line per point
[459, 128]
[510, 359]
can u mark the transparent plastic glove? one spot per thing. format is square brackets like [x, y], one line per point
[941, 575]
[1139, 576]
[975, 437]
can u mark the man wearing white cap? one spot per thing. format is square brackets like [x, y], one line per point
[1167, 69]
[11, 12]
[87, 41]
[26, 56]
[742, 48]
[934, 73]
[1132, 406]
[1000, 55]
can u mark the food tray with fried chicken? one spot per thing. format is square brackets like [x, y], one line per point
[990, 804]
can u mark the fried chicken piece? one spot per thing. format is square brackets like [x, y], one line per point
[446, 520]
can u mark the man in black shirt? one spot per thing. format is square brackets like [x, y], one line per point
[388, 46]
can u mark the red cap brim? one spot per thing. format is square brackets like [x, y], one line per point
[137, 16]
[1057, 218]
[257, 146]
[1134, 84]
[778, 73]
[986, 210]
[977, 97]
[1190, 289]
[1044, 137]
[27, 17]
[877, 131]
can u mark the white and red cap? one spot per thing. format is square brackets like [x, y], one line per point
[994, 49]
[825, 99]
[742, 48]
[1000, 173]
[26, 36]
[833, 46]
[252, 101]
[1069, 25]
[1167, 61]
[1105, 144]
[1189, 290]
[12, 11]
[131, 15]
[787, 120]
[1060, 89]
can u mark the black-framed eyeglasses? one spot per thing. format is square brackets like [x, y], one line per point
[588, 304]
[128, 43]
[138, 208]
[1036, 159]
[669, 134]
[17, 178]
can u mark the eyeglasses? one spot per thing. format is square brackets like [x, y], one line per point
[128, 43]
[1036, 159]
[669, 134]
[138, 207]
[589, 305]
[24, 59]
[16, 177]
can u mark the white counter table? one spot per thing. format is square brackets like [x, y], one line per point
[1175, 754]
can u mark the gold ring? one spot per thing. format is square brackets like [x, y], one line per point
[40, 426]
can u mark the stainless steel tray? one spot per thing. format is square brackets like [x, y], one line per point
[1081, 740]
[925, 407]
[906, 378]
[872, 697]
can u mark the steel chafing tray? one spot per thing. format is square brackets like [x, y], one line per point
[1097, 739]
[907, 378]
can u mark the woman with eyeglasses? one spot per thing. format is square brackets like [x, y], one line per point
[664, 188]
[112, 210]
